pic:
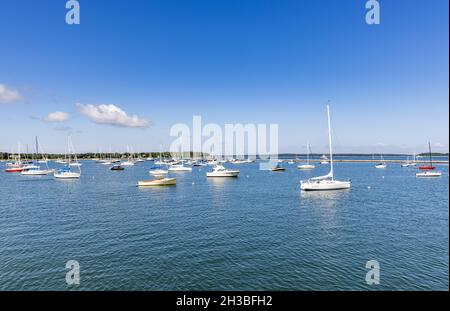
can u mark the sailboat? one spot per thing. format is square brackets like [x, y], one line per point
[66, 171]
[306, 166]
[130, 161]
[16, 165]
[35, 170]
[157, 169]
[428, 170]
[409, 163]
[326, 182]
[382, 164]
[180, 167]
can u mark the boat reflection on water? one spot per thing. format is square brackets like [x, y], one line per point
[323, 198]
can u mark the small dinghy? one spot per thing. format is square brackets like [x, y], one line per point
[117, 167]
[277, 168]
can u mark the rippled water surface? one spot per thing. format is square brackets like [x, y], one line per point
[255, 232]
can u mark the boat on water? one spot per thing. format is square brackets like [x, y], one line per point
[66, 171]
[307, 166]
[428, 170]
[429, 174]
[382, 164]
[277, 168]
[117, 167]
[179, 168]
[324, 159]
[157, 170]
[241, 161]
[14, 167]
[326, 182]
[408, 163]
[159, 181]
[33, 169]
[36, 171]
[221, 171]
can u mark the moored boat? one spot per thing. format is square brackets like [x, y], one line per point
[221, 171]
[157, 182]
[327, 182]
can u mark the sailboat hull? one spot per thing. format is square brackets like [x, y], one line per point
[67, 175]
[324, 185]
[306, 167]
[428, 174]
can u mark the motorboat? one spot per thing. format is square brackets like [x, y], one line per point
[221, 171]
[117, 167]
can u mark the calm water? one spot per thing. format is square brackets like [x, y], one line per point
[252, 233]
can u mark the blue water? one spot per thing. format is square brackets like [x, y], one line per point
[256, 232]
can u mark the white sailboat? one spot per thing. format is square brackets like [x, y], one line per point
[66, 172]
[35, 170]
[382, 164]
[409, 163]
[179, 167]
[130, 161]
[326, 182]
[306, 166]
[158, 170]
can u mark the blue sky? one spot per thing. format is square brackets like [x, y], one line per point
[229, 61]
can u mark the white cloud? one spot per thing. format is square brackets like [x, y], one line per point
[112, 115]
[57, 116]
[8, 95]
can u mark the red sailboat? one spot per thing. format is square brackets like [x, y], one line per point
[428, 167]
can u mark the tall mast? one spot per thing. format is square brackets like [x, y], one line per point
[307, 152]
[429, 148]
[330, 142]
[37, 147]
